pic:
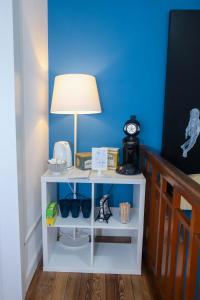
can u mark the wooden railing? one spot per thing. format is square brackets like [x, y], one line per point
[171, 237]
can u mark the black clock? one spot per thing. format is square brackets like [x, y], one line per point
[132, 127]
[130, 165]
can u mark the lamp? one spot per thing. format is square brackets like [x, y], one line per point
[75, 94]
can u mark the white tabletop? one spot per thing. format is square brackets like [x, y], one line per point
[109, 176]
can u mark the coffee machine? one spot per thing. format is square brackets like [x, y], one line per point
[131, 159]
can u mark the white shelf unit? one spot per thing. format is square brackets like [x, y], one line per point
[95, 257]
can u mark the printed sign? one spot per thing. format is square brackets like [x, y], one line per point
[99, 159]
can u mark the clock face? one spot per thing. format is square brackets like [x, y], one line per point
[131, 128]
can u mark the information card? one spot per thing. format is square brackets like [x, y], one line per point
[99, 159]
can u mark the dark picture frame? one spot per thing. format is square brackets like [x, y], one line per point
[181, 127]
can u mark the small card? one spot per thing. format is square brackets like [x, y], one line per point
[99, 159]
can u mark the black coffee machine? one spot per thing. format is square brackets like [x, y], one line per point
[131, 144]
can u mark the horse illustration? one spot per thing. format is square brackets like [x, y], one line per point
[191, 132]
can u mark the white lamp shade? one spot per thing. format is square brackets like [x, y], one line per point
[75, 94]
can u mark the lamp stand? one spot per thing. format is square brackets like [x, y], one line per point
[75, 147]
[75, 135]
[78, 237]
[75, 231]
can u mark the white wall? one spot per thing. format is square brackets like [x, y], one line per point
[34, 153]
[24, 139]
[10, 257]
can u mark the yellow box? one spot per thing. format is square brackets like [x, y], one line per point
[84, 160]
[113, 158]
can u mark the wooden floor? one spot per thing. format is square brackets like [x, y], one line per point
[76, 286]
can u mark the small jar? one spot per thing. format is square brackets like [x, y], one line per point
[124, 212]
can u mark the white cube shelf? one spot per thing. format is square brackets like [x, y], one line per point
[116, 258]
[70, 222]
[95, 257]
[114, 221]
[70, 260]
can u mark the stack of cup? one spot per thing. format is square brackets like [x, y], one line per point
[124, 212]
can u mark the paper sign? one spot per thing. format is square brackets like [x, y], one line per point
[99, 159]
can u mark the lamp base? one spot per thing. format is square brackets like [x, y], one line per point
[128, 169]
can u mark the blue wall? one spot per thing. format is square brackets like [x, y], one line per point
[122, 43]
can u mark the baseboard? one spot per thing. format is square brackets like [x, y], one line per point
[32, 267]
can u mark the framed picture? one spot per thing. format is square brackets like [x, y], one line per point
[181, 128]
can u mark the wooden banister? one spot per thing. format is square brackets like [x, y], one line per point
[171, 238]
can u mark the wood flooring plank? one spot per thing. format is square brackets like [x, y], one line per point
[85, 287]
[146, 290]
[125, 290]
[73, 287]
[149, 286]
[58, 290]
[141, 288]
[44, 286]
[111, 287]
[138, 289]
[98, 287]
[34, 283]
